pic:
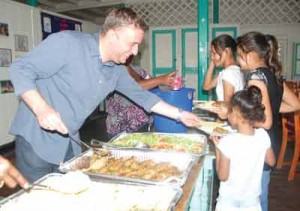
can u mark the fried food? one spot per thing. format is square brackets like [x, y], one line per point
[132, 168]
[220, 130]
[217, 104]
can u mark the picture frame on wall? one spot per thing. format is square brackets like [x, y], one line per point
[5, 57]
[21, 43]
[6, 87]
[297, 59]
[4, 29]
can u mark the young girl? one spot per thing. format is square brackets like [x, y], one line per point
[230, 79]
[240, 156]
[257, 56]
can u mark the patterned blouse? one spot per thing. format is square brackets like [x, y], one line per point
[123, 114]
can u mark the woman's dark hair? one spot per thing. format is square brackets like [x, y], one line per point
[249, 102]
[224, 41]
[266, 46]
[273, 60]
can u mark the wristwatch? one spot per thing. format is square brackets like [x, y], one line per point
[179, 115]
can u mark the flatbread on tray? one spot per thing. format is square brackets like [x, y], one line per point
[206, 105]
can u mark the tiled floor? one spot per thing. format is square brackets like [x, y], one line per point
[283, 195]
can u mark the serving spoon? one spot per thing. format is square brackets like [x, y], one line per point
[97, 143]
[49, 188]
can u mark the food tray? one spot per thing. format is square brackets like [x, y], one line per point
[183, 161]
[101, 195]
[178, 141]
[209, 129]
[207, 105]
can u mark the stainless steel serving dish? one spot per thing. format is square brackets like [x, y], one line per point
[139, 137]
[125, 195]
[183, 161]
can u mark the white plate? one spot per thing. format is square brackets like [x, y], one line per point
[210, 129]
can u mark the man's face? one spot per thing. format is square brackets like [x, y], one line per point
[127, 40]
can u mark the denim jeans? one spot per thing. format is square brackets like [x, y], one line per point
[30, 164]
[265, 180]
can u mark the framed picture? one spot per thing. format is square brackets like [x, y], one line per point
[297, 59]
[4, 29]
[5, 57]
[21, 42]
[6, 87]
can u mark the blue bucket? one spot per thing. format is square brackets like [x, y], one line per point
[182, 98]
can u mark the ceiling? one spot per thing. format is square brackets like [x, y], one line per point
[88, 10]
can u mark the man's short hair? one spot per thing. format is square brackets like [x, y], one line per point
[118, 17]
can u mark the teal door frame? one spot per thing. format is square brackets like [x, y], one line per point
[163, 70]
[186, 69]
[203, 39]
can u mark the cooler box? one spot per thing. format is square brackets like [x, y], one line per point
[182, 98]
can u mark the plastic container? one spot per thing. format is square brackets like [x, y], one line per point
[182, 98]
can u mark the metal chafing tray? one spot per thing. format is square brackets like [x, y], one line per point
[102, 194]
[196, 138]
[183, 161]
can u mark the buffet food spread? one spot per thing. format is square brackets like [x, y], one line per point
[98, 195]
[189, 143]
[147, 167]
[119, 178]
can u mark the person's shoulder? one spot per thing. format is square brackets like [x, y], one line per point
[260, 132]
[232, 69]
[257, 75]
[73, 35]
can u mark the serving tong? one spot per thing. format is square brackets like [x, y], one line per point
[37, 186]
[97, 150]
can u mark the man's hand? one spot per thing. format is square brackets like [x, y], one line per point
[47, 117]
[186, 117]
[189, 119]
[10, 175]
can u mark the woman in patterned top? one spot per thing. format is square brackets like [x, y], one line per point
[256, 57]
[123, 114]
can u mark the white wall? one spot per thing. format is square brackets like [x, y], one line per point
[22, 20]
[287, 34]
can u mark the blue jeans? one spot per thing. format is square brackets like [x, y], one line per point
[265, 180]
[30, 164]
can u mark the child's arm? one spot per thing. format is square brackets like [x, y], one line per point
[270, 157]
[209, 81]
[222, 162]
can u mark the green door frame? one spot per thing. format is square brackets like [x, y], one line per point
[32, 3]
[163, 70]
[203, 39]
[185, 69]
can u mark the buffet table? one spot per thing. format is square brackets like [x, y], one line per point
[195, 194]
[198, 190]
